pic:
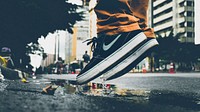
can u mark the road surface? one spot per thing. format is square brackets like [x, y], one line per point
[152, 92]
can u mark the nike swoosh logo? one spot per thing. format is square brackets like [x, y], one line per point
[106, 47]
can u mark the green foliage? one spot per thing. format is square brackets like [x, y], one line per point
[170, 49]
[167, 49]
[24, 21]
[34, 48]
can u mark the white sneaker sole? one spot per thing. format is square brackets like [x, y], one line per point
[129, 60]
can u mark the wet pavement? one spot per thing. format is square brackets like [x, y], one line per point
[151, 92]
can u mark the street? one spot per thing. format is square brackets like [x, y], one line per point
[150, 92]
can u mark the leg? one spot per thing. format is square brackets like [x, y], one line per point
[128, 15]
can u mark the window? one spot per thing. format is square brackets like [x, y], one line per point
[182, 24]
[181, 4]
[189, 3]
[189, 34]
[189, 13]
[189, 24]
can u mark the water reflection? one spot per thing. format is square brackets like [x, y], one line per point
[93, 89]
[134, 96]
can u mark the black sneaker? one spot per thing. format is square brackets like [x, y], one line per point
[109, 52]
[131, 59]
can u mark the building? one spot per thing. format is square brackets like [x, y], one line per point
[197, 23]
[75, 48]
[48, 60]
[92, 19]
[174, 14]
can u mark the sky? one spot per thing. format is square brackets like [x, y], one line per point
[48, 43]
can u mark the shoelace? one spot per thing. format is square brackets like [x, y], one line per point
[92, 41]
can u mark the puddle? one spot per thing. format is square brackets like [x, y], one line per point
[94, 89]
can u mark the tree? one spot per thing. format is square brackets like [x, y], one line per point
[24, 21]
[167, 49]
[187, 56]
[170, 49]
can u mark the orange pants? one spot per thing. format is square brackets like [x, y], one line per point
[116, 16]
